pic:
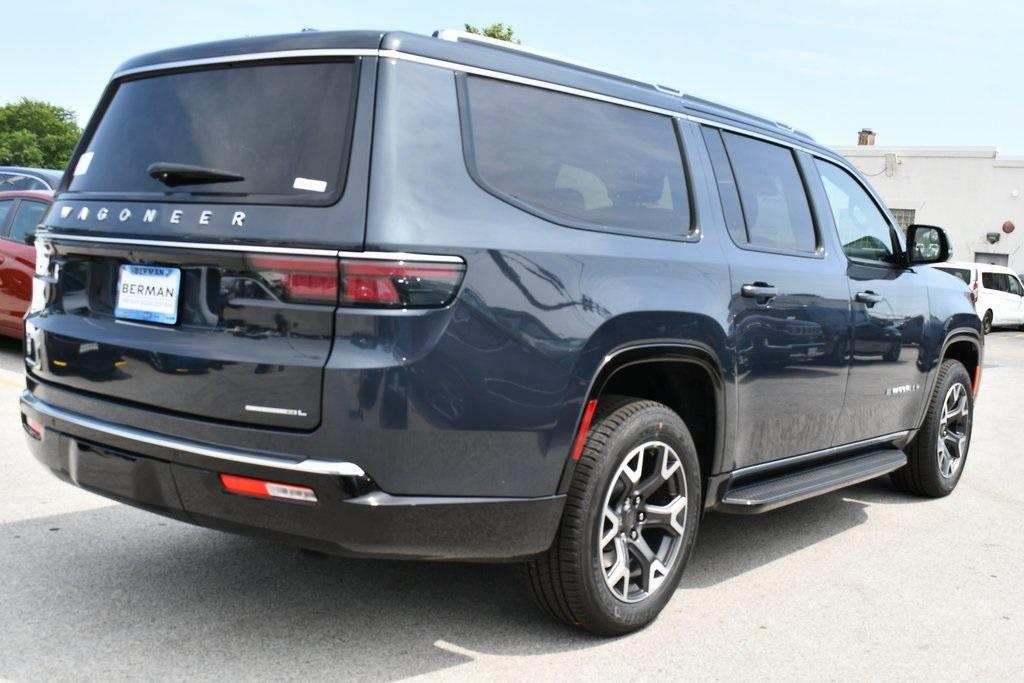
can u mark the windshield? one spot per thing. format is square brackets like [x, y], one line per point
[285, 128]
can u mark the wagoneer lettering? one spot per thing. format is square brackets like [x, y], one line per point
[487, 305]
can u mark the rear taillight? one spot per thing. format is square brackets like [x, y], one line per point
[974, 292]
[412, 282]
[299, 279]
[399, 283]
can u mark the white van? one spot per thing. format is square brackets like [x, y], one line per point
[997, 292]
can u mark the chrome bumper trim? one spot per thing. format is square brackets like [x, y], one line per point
[308, 466]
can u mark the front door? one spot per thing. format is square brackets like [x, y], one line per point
[889, 302]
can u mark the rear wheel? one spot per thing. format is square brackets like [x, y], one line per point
[986, 322]
[629, 525]
[935, 460]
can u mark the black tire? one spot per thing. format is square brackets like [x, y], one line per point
[921, 475]
[569, 581]
[986, 322]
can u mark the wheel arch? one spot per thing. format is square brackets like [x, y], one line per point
[673, 373]
[965, 345]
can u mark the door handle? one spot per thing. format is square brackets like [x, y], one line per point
[868, 298]
[759, 290]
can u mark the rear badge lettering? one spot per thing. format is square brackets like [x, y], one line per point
[290, 412]
[173, 217]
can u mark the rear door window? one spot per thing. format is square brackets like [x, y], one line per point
[576, 161]
[284, 127]
[772, 194]
[5, 209]
[996, 281]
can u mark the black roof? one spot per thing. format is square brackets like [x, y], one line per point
[511, 61]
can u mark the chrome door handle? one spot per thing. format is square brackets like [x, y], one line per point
[868, 298]
[759, 290]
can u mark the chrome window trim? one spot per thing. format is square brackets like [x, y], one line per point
[247, 57]
[259, 249]
[466, 68]
[309, 465]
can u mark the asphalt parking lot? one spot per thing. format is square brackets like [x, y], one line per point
[863, 583]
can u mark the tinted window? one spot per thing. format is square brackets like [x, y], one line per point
[5, 208]
[772, 194]
[284, 127]
[961, 273]
[726, 184]
[26, 219]
[16, 181]
[997, 281]
[575, 160]
[863, 230]
[1015, 287]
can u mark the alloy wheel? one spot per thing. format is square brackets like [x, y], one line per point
[643, 521]
[954, 430]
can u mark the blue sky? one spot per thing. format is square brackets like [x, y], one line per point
[920, 72]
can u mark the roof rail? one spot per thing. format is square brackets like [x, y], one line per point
[457, 36]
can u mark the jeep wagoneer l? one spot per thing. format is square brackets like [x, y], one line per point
[390, 295]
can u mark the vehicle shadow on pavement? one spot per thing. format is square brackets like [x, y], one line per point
[731, 545]
[119, 593]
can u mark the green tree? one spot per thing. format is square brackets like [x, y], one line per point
[497, 30]
[36, 133]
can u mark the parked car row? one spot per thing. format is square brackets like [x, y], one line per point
[20, 213]
[996, 290]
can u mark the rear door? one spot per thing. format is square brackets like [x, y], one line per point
[195, 252]
[890, 307]
[789, 307]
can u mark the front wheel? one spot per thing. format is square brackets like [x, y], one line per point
[935, 460]
[629, 524]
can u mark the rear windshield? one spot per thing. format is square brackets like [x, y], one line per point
[961, 273]
[284, 127]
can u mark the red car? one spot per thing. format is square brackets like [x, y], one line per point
[20, 212]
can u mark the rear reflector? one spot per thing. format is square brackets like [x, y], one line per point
[977, 379]
[399, 284]
[33, 426]
[299, 279]
[581, 436]
[246, 486]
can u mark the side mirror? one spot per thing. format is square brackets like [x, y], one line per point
[30, 239]
[927, 244]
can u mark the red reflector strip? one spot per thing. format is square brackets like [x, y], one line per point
[34, 428]
[259, 488]
[581, 436]
[977, 379]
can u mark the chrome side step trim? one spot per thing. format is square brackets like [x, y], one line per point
[307, 466]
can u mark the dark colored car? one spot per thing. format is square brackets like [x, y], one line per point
[20, 213]
[440, 298]
[18, 178]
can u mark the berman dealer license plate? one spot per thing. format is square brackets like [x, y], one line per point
[148, 293]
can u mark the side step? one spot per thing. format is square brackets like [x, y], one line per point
[768, 494]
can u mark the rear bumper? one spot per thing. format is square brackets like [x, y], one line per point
[179, 478]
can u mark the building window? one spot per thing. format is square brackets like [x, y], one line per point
[905, 217]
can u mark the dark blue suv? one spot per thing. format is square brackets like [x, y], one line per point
[390, 295]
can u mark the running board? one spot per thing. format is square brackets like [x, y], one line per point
[768, 494]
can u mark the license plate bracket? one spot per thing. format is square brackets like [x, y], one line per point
[148, 293]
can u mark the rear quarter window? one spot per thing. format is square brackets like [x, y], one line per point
[961, 273]
[996, 281]
[285, 127]
[576, 161]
